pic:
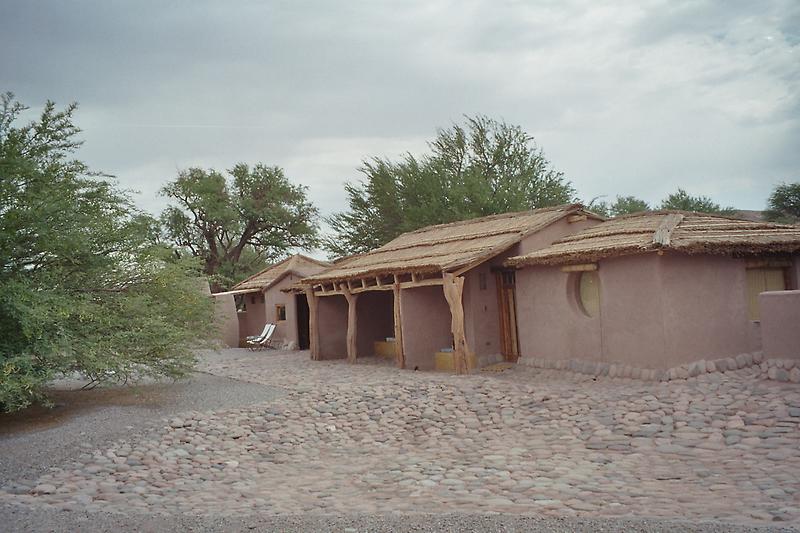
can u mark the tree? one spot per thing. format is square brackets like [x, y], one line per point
[784, 204]
[480, 168]
[235, 225]
[623, 205]
[84, 286]
[683, 201]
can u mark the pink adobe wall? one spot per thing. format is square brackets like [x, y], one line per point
[251, 322]
[481, 319]
[550, 325]
[375, 317]
[655, 312]
[550, 234]
[426, 325]
[481, 314]
[225, 320]
[286, 330]
[780, 323]
[705, 307]
[631, 310]
[332, 326]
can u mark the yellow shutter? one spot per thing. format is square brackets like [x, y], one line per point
[775, 280]
[761, 280]
[590, 293]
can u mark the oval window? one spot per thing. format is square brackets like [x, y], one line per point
[589, 293]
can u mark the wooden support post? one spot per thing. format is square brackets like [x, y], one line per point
[313, 328]
[352, 326]
[453, 290]
[398, 329]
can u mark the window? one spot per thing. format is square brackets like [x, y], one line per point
[589, 293]
[280, 312]
[241, 303]
[761, 280]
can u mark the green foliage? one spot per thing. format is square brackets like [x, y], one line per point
[480, 168]
[83, 284]
[784, 204]
[237, 224]
[683, 201]
[623, 205]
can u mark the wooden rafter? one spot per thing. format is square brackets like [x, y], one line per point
[587, 267]
[363, 286]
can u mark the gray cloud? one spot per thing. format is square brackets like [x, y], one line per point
[625, 97]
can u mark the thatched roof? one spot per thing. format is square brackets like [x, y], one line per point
[447, 247]
[686, 232]
[298, 264]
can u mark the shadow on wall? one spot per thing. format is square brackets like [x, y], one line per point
[226, 320]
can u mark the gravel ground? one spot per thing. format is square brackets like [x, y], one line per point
[97, 419]
[15, 518]
[82, 421]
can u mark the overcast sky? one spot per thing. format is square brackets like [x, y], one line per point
[638, 97]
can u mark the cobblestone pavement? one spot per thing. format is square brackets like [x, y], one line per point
[369, 438]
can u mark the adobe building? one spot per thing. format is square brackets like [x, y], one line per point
[262, 299]
[653, 291]
[437, 297]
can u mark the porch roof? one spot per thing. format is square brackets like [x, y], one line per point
[447, 247]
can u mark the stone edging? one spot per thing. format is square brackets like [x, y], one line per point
[784, 370]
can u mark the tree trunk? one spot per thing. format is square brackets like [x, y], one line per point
[398, 329]
[453, 290]
[352, 326]
[313, 328]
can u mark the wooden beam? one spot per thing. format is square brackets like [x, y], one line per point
[663, 233]
[313, 323]
[342, 287]
[421, 283]
[414, 277]
[378, 281]
[352, 325]
[576, 218]
[453, 292]
[398, 328]
[363, 283]
[588, 267]
[768, 263]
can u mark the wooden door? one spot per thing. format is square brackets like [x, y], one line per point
[507, 308]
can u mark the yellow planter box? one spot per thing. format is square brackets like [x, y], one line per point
[445, 362]
[384, 348]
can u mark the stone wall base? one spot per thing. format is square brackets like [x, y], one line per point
[785, 370]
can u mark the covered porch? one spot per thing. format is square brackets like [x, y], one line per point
[417, 319]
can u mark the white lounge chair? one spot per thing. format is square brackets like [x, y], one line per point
[261, 335]
[262, 341]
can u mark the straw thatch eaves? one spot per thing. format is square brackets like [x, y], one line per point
[298, 264]
[686, 232]
[447, 247]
